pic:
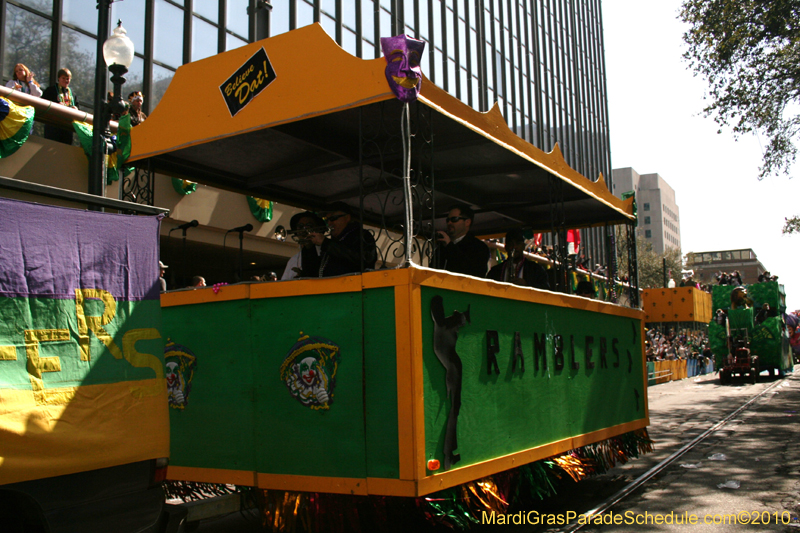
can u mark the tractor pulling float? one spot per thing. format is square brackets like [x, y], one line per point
[748, 333]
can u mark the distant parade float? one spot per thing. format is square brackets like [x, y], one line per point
[749, 332]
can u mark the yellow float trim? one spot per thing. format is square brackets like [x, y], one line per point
[225, 293]
[397, 487]
[417, 382]
[220, 476]
[387, 278]
[461, 283]
[405, 390]
[334, 485]
[392, 487]
[452, 478]
[305, 287]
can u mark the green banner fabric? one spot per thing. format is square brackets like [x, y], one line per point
[16, 122]
[260, 208]
[85, 132]
[183, 187]
[75, 370]
[123, 146]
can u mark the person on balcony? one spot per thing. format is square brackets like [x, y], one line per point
[60, 93]
[137, 115]
[23, 81]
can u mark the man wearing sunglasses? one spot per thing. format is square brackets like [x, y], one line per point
[460, 251]
[342, 252]
[517, 269]
[307, 229]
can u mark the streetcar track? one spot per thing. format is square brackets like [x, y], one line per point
[624, 492]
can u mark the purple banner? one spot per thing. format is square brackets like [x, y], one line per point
[50, 251]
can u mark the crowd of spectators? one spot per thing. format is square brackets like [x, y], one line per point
[766, 276]
[671, 345]
[728, 278]
[24, 80]
[722, 278]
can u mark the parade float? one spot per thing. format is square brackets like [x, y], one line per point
[403, 382]
[748, 333]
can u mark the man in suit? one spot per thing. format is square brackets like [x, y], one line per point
[517, 268]
[460, 250]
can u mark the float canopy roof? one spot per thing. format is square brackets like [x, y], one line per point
[297, 141]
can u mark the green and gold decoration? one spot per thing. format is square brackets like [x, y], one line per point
[15, 126]
[261, 209]
[115, 162]
[123, 146]
[183, 187]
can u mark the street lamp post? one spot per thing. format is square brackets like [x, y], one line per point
[118, 56]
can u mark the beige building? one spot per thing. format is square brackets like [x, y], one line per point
[659, 215]
[706, 265]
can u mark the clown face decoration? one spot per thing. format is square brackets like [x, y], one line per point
[309, 371]
[403, 55]
[181, 365]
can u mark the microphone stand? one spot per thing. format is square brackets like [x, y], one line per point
[184, 258]
[224, 258]
[241, 230]
[183, 248]
[241, 256]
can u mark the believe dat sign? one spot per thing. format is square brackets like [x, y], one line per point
[245, 84]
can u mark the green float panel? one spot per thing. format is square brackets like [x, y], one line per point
[514, 410]
[292, 438]
[216, 427]
[740, 319]
[380, 391]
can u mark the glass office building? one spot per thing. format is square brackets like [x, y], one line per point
[541, 61]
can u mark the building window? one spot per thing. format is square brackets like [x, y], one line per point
[648, 234]
[646, 207]
[168, 39]
[20, 28]
[646, 220]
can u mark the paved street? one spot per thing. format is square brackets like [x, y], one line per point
[760, 455]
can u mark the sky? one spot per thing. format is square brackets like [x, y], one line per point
[657, 126]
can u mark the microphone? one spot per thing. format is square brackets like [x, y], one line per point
[240, 229]
[187, 225]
